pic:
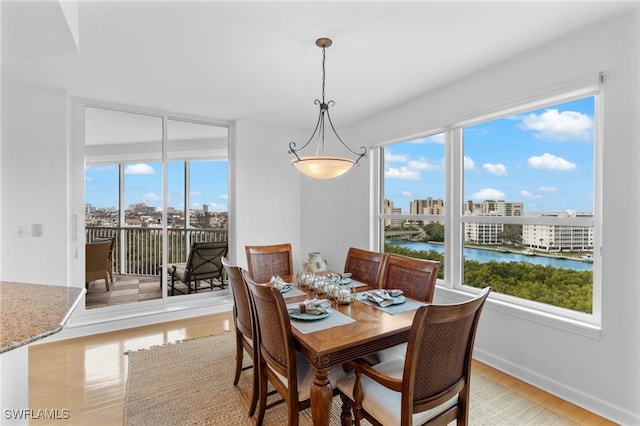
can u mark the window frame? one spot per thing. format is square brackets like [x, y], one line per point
[79, 158]
[451, 287]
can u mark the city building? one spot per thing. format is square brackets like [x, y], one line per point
[427, 206]
[500, 208]
[554, 238]
[388, 208]
[483, 232]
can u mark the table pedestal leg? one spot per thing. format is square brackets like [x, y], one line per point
[321, 394]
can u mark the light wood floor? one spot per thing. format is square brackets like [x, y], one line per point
[87, 375]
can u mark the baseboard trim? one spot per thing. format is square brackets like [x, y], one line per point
[575, 396]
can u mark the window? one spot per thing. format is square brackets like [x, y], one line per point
[413, 197]
[154, 192]
[521, 212]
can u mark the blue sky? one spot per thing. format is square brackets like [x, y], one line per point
[143, 184]
[543, 158]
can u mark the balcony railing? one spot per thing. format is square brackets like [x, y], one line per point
[138, 251]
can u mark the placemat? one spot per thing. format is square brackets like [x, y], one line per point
[357, 284]
[294, 292]
[393, 309]
[334, 320]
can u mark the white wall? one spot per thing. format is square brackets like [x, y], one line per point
[266, 189]
[600, 374]
[34, 184]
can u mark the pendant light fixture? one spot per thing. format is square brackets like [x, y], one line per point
[321, 166]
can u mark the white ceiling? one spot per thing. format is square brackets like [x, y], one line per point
[258, 60]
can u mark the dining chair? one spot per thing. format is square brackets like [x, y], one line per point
[96, 262]
[244, 328]
[417, 280]
[415, 277]
[431, 384]
[364, 265]
[288, 372]
[204, 263]
[268, 261]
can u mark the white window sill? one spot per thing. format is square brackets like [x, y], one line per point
[548, 319]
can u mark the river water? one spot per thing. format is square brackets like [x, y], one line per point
[481, 255]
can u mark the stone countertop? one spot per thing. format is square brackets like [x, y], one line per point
[30, 312]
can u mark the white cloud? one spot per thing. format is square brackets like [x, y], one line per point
[528, 194]
[139, 169]
[488, 194]
[468, 163]
[495, 169]
[224, 196]
[196, 193]
[550, 162]
[547, 189]
[565, 125]
[406, 193]
[423, 164]
[389, 156]
[401, 173]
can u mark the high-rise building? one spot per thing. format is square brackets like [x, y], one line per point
[501, 207]
[388, 208]
[429, 206]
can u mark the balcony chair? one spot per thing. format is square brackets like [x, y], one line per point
[268, 261]
[364, 265]
[203, 264]
[110, 261]
[278, 361]
[96, 262]
[244, 326]
[428, 386]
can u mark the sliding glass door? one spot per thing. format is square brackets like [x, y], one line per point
[153, 185]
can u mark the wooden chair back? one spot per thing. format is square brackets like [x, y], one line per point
[415, 277]
[268, 261]
[244, 327]
[364, 265]
[241, 303]
[438, 363]
[277, 359]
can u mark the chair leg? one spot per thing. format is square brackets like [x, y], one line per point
[239, 356]
[294, 416]
[255, 389]
[357, 398]
[345, 416]
[262, 400]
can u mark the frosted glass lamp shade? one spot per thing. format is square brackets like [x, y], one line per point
[322, 167]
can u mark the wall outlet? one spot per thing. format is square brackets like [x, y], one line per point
[36, 230]
[24, 231]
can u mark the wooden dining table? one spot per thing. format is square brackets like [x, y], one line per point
[372, 330]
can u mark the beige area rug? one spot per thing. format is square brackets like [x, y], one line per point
[191, 383]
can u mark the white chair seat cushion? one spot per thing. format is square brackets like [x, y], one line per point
[180, 271]
[387, 354]
[306, 377]
[383, 403]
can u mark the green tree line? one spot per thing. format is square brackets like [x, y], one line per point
[561, 287]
